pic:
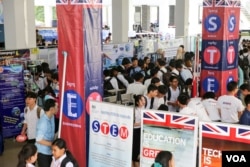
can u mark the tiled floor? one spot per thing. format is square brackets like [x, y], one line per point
[11, 149]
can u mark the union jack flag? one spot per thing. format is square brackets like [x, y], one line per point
[61, 2]
[168, 119]
[225, 132]
[85, 1]
[221, 3]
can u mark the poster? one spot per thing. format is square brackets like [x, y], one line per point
[217, 137]
[79, 54]
[170, 47]
[12, 99]
[169, 132]
[111, 135]
[114, 53]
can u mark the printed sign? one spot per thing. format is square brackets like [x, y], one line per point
[218, 137]
[166, 131]
[111, 135]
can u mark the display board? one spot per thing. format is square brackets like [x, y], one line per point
[111, 135]
[166, 131]
[218, 137]
[114, 53]
[12, 101]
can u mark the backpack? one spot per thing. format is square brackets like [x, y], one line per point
[38, 111]
[245, 62]
[121, 85]
[166, 77]
[152, 102]
[66, 160]
[107, 86]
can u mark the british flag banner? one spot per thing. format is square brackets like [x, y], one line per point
[217, 137]
[171, 120]
[62, 2]
[86, 2]
[167, 131]
[221, 3]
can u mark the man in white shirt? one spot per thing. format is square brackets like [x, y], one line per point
[161, 64]
[184, 109]
[173, 93]
[137, 87]
[184, 72]
[196, 105]
[210, 104]
[230, 107]
[161, 97]
[152, 93]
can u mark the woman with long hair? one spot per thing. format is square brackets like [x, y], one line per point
[27, 156]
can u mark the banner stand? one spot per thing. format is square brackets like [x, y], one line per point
[65, 55]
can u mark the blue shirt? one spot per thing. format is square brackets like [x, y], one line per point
[45, 130]
[245, 118]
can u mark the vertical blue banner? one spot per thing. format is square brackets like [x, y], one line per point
[12, 100]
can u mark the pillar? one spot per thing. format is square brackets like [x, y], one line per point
[220, 33]
[145, 17]
[48, 16]
[120, 21]
[19, 24]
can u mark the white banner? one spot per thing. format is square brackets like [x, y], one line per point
[166, 131]
[111, 135]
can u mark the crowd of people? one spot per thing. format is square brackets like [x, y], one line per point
[167, 86]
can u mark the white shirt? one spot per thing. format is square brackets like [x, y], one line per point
[175, 71]
[196, 105]
[158, 101]
[30, 118]
[229, 107]
[148, 101]
[122, 79]
[211, 108]
[57, 163]
[136, 88]
[173, 98]
[147, 82]
[185, 74]
[29, 165]
[113, 82]
[160, 73]
[138, 116]
[187, 111]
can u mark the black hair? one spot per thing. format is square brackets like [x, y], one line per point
[27, 151]
[146, 58]
[163, 89]
[61, 144]
[245, 50]
[172, 63]
[245, 86]
[178, 64]
[183, 99]
[31, 95]
[231, 86]
[182, 46]
[55, 76]
[44, 65]
[153, 71]
[155, 80]
[138, 98]
[152, 87]
[189, 81]
[48, 104]
[163, 107]
[209, 95]
[106, 73]
[163, 158]
[161, 62]
[134, 58]
[247, 99]
[137, 76]
[172, 77]
[125, 61]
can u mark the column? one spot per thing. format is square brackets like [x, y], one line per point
[181, 18]
[19, 24]
[220, 33]
[120, 22]
[145, 17]
[48, 16]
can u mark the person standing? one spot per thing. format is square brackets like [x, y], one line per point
[32, 113]
[27, 156]
[230, 107]
[245, 117]
[61, 155]
[45, 133]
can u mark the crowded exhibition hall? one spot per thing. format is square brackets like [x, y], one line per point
[125, 83]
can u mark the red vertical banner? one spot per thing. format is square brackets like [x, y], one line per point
[79, 51]
[220, 32]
